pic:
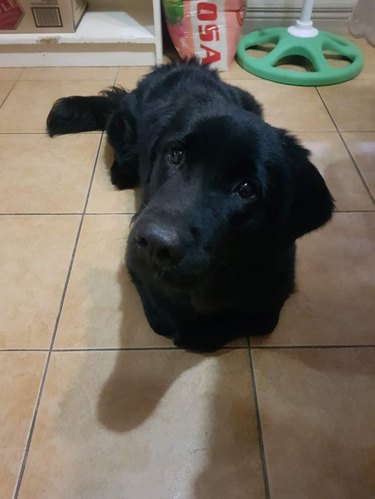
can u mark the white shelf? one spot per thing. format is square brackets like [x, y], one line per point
[95, 27]
[106, 36]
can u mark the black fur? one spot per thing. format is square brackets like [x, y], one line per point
[211, 250]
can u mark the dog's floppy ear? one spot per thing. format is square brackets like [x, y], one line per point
[309, 202]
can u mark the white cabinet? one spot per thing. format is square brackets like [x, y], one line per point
[111, 33]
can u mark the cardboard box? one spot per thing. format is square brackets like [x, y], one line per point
[41, 16]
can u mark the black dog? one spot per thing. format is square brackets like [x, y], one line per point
[211, 250]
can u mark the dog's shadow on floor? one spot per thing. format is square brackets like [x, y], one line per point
[141, 375]
[135, 386]
[200, 404]
[154, 386]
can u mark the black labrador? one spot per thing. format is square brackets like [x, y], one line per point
[211, 249]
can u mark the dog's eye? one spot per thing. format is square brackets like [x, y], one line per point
[176, 155]
[247, 190]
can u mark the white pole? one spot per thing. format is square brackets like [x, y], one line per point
[304, 27]
[306, 11]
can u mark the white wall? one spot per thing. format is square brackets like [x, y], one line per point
[329, 15]
[298, 3]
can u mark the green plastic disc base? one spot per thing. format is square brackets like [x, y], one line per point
[287, 45]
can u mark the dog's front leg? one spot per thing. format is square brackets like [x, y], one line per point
[207, 334]
[210, 335]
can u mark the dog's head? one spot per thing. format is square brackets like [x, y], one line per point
[218, 188]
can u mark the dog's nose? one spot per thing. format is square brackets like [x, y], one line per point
[161, 245]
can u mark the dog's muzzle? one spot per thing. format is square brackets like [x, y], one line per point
[168, 251]
[161, 247]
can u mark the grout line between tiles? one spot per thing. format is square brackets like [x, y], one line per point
[140, 349]
[156, 348]
[309, 347]
[45, 370]
[296, 132]
[31, 428]
[7, 95]
[56, 80]
[123, 213]
[26, 350]
[20, 76]
[59, 80]
[45, 133]
[354, 211]
[259, 427]
[357, 168]
[20, 214]
[357, 131]
[112, 349]
[347, 148]
[111, 213]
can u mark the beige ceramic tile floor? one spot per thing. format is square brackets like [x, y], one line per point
[95, 405]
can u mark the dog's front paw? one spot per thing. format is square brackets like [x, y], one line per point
[197, 347]
[59, 118]
[201, 343]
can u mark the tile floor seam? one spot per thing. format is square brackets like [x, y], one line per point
[30, 214]
[357, 131]
[95, 162]
[117, 81]
[291, 130]
[59, 80]
[347, 148]
[44, 133]
[57, 321]
[310, 347]
[31, 427]
[93, 174]
[113, 349]
[17, 77]
[2, 102]
[258, 425]
[24, 350]
[64, 79]
[121, 213]
[156, 348]
[357, 167]
[20, 75]
[109, 213]
[136, 349]
[45, 370]
[42, 213]
[327, 111]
